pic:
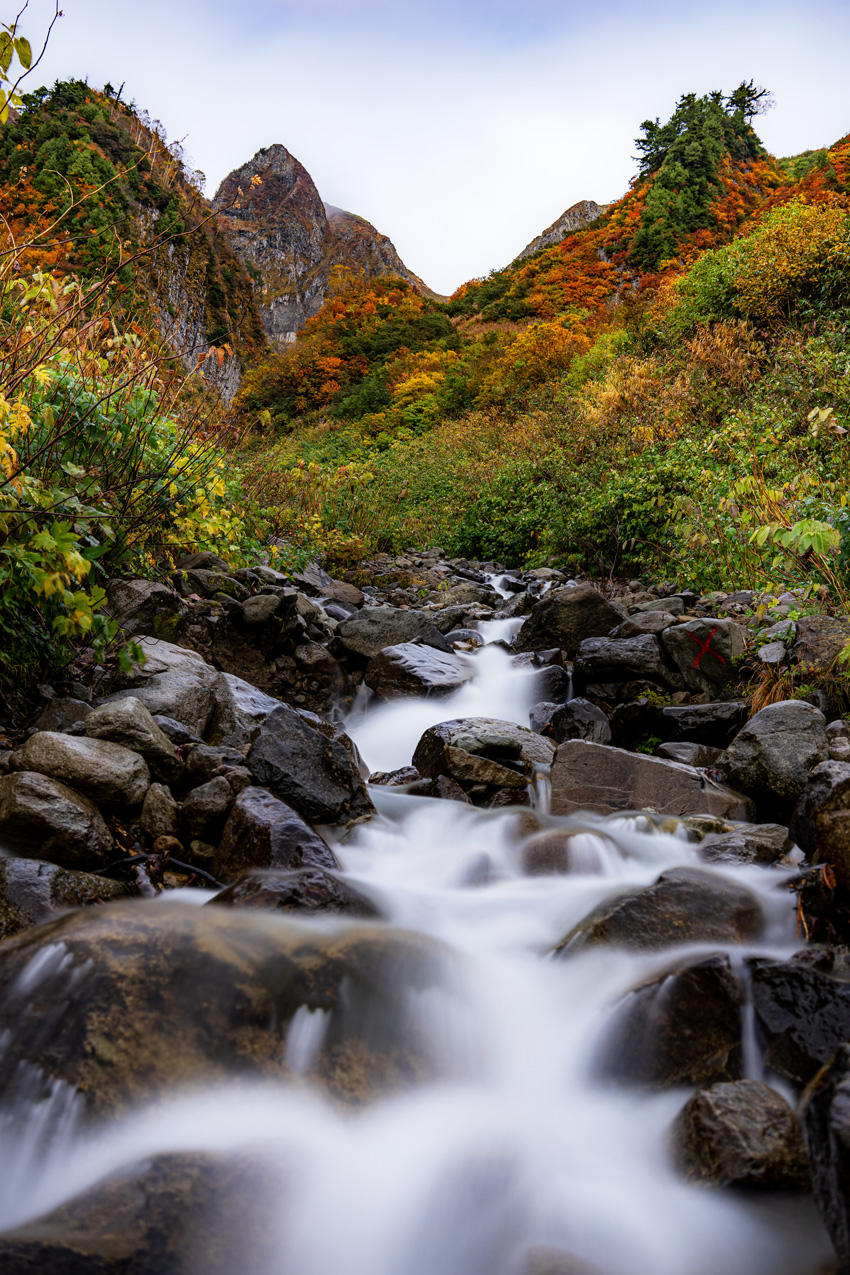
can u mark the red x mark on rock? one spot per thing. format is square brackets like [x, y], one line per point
[705, 648]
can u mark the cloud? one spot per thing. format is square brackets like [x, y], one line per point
[460, 130]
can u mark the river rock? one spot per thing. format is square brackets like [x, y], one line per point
[641, 622]
[589, 776]
[482, 750]
[374, 628]
[827, 1120]
[757, 843]
[802, 1011]
[741, 1133]
[32, 891]
[109, 774]
[65, 714]
[685, 905]
[714, 724]
[703, 651]
[412, 669]
[133, 1001]
[239, 712]
[681, 1028]
[315, 774]
[306, 890]
[159, 813]
[605, 659]
[129, 723]
[175, 682]
[144, 607]
[770, 758]
[577, 719]
[44, 819]
[263, 832]
[205, 809]
[820, 824]
[565, 617]
[688, 753]
[820, 639]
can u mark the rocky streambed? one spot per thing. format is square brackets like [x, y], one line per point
[445, 921]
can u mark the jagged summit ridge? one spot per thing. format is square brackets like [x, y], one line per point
[290, 241]
[576, 216]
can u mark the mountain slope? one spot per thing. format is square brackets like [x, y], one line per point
[576, 217]
[291, 242]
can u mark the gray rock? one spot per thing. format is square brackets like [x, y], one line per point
[129, 723]
[802, 1011]
[305, 890]
[577, 719]
[207, 584]
[159, 813]
[714, 724]
[744, 1134]
[758, 843]
[605, 659]
[261, 608]
[652, 621]
[144, 606]
[770, 758]
[482, 750]
[174, 682]
[685, 905]
[827, 1119]
[42, 818]
[317, 775]
[411, 669]
[204, 810]
[703, 651]
[820, 639]
[772, 654]
[565, 617]
[672, 606]
[688, 753]
[240, 710]
[374, 628]
[32, 891]
[109, 774]
[588, 776]
[820, 824]
[680, 1028]
[61, 714]
[207, 761]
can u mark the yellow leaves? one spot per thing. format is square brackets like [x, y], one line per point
[792, 247]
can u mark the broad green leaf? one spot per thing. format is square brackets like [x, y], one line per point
[23, 48]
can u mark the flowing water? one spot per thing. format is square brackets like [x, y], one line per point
[513, 1146]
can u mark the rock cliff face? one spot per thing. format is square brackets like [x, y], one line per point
[290, 241]
[580, 214]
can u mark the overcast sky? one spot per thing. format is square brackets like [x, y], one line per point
[461, 128]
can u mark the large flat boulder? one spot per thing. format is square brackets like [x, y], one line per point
[605, 659]
[316, 775]
[589, 776]
[111, 775]
[482, 750]
[374, 628]
[44, 819]
[565, 617]
[411, 669]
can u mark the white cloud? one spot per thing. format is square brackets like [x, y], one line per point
[461, 139]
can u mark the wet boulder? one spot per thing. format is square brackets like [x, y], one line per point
[565, 617]
[641, 622]
[159, 813]
[109, 774]
[205, 808]
[704, 651]
[264, 832]
[756, 843]
[685, 905]
[590, 776]
[689, 754]
[306, 890]
[411, 669]
[175, 682]
[820, 824]
[556, 851]
[44, 819]
[770, 758]
[827, 1120]
[239, 712]
[374, 628]
[32, 891]
[482, 750]
[129, 723]
[605, 659]
[743, 1134]
[714, 724]
[680, 1028]
[315, 774]
[144, 606]
[132, 1001]
[802, 1011]
[576, 719]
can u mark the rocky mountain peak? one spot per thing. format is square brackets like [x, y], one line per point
[575, 217]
